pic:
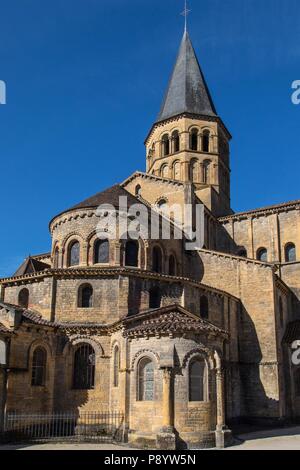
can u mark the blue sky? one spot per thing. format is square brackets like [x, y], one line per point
[85, 79]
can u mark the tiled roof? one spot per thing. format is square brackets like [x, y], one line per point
[169, 320]
[28, 315]
[32, 317]
[108, 196]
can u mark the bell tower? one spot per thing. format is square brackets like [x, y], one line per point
[189, 142]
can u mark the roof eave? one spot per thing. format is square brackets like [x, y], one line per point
[192, 116]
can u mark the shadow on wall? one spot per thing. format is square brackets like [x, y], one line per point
[66, 397]
[193, 268]
[255, 378]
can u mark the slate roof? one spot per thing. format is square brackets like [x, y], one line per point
[187, 91]
[31, 266]
[108, 196]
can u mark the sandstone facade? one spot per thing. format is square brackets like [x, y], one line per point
[182, 342]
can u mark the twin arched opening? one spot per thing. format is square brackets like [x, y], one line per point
[200, 142]
[170, 144]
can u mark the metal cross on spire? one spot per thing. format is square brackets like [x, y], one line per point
[185, 13]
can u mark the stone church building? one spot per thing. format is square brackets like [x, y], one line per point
[183, 342]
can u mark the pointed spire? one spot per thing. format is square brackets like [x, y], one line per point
[187, 90]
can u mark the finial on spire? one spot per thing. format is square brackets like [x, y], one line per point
[185, 13]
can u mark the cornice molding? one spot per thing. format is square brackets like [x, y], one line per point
[140, 174]
[100, 271]
[263, 212]
[198, 117]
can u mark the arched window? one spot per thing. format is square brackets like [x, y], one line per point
[176, 141]
[281, 312]
[157, 260]
[116, 366]
[262, 255]
[23, 300]
[138, 190]
[164, 171]
[172, 265]
[39, 362]
[204, 309]
[101, 252]
[84, 367]
[145, 384]
[205, 141]
[154, 297]
[176, 171]
[206, 172]
[56, 258]
[74, 254]
[290, 253]
[242, 253]
[194, 140]
[297, 382]
[162, 204]
[165, 145]
[131, 253]
[85, 296]
[197, 380]
[194, 171]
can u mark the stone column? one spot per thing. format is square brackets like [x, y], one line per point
[223, 434]
[200, 142]
[60, 261]
[117, 254]
[215, 143]
[186, 171]
[64, 259]
[166, 439]
[84, 254]
[201, 172]
[220, 399]
[168, 421]
[185, 140]
[215, 175]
